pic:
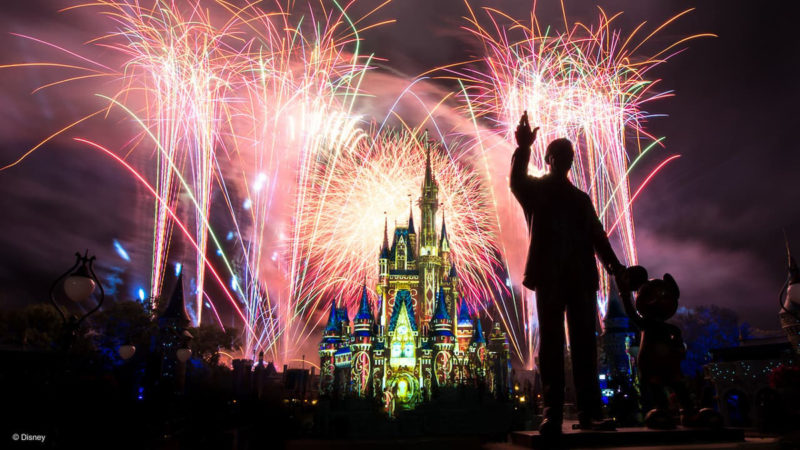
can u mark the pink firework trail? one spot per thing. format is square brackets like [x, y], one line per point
[342, 225]
[584, 84]
[256, 103]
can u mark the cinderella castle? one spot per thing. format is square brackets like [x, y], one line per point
[420, 336]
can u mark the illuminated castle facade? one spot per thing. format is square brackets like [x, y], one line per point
[420, 336]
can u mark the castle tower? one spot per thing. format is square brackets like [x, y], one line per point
[443, 341]
[452, 290]
[618, 335]
[400, 250]
[172, 323]
[452, 276]
[383, 274]
[342, 356]
[499, 363]
[464, 328]
[463, 332]
[444, 246]
[331, 339]
[477, 352]
[618, 375]
[361, 343]
[412, 233]
[429, 261]
[383, 258]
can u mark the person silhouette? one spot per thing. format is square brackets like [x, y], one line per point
[565, 233]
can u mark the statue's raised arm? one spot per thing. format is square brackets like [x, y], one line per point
[519, 179]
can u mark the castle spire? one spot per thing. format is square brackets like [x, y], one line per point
[478, 336]
[444, 243]
[176, 308]
[385, 247]
[385, 230]
[331, 326]
[463, 314]
[441, 309]
[410, 216]
[364, 310]
[428, 171]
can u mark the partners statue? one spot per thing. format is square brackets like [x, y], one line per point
[565, 234]
[661, 349]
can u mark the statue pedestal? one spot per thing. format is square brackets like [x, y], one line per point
[791, 326]
[627, 437]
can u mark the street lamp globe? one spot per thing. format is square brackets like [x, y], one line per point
[184, 354]
[126, 351]
[79, 286]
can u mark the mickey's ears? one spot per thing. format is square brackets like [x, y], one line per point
[672, 285]
[637, 276]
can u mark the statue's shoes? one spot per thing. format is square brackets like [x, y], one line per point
[550, 428]
[596, 425]
[705, 418]
[659, 419]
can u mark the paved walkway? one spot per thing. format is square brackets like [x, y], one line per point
[749, 443]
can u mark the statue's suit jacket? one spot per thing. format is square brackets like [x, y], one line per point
[565, 232]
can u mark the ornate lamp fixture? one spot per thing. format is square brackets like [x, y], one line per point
[79, 283]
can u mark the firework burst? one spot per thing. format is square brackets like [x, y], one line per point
[298, 91]
[353, 196]
[248, 112]
[583, 84]
[178, 61]
[237, 101]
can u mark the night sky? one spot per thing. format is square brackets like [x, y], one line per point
[713, 218]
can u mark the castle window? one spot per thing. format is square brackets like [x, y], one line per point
[395, 350]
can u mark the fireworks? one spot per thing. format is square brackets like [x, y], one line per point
[249, 113]
[274, 103]
[298, 92]
[341, 227]
[180, 66]
[583, 84]
[241, 101]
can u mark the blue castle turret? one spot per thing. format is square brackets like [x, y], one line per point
[172, 335]
[463, 314]
[619, 343]
[364, 314]
[361, 343]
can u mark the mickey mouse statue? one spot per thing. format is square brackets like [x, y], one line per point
[661, 349]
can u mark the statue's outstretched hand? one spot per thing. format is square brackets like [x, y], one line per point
[622, 278]
[525, 136]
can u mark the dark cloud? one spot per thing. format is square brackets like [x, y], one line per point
[708, 274]
[65, 199]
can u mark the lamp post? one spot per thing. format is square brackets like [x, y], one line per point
[79, 282]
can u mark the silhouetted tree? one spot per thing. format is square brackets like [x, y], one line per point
[120, 323]
[208, 340]
[35, 326]
[705, 328]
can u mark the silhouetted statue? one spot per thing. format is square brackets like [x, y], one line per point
[565, 234]
[661, 350]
